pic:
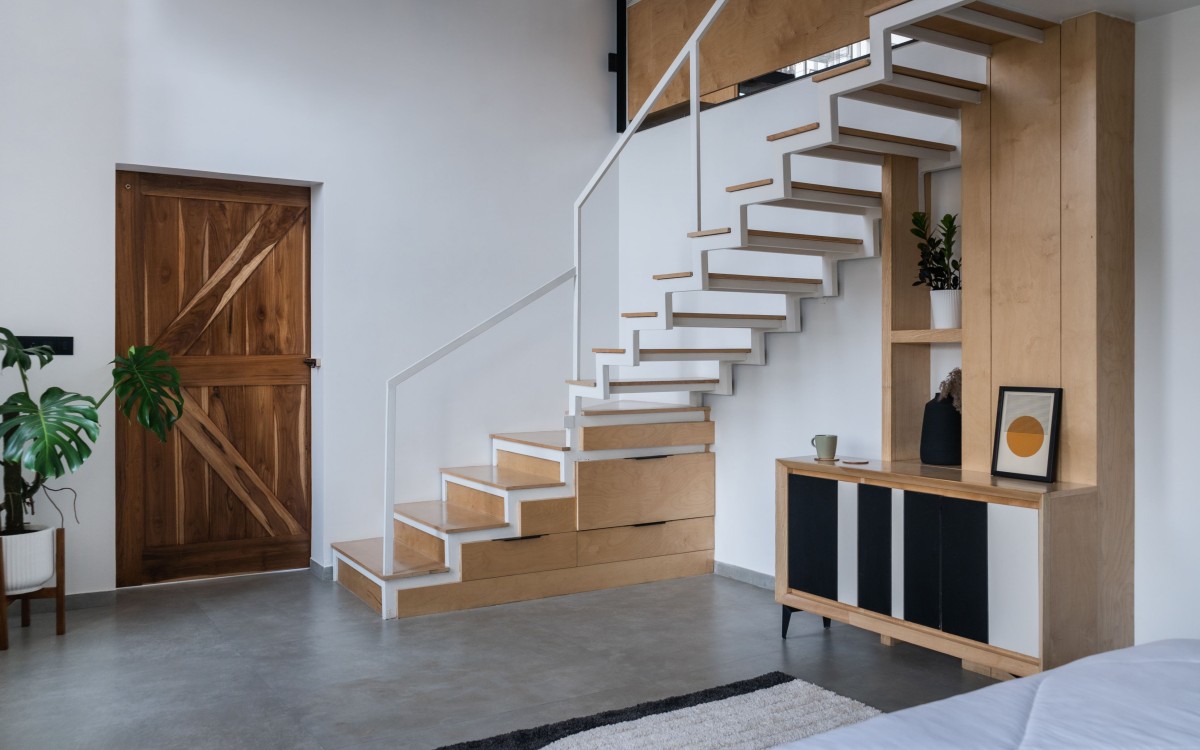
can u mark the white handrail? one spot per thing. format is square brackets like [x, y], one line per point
[690, 51]
[389, 482]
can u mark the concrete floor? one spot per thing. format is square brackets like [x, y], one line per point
[289, 661]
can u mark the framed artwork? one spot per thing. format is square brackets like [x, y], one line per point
[1027, 421]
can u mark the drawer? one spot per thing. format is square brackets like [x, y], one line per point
[551, 516]
[510, 557]
[626, 491]
[660, 434]
[651, 540]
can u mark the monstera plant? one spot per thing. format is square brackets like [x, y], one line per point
[47, 437]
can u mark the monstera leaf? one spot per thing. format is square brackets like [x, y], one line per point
[15, 353]
[148, 389]
[50, 436]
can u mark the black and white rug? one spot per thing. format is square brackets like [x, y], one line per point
[759, 713]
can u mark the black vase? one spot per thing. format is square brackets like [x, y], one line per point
[941, 433]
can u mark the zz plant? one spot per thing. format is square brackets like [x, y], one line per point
[938, 269]
[52, 435]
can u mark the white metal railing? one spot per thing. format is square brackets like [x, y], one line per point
[389, 482]
[691, 53]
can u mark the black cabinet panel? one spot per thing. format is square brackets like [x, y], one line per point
[812, 535]
[965, 569]
[922, 559]
[875, 548]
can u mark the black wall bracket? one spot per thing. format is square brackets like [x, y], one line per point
[62, 346]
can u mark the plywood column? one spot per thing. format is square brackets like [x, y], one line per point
[1048, 278]
[979, 396]
[1097, 295]
[905, 307]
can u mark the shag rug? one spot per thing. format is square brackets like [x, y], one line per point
[759, 713]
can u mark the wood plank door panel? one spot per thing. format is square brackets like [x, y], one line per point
[216, 273]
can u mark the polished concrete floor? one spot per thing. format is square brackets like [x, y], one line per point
[289, 661]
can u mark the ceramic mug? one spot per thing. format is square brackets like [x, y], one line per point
[826, 446]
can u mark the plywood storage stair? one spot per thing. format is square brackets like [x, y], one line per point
[624, 492]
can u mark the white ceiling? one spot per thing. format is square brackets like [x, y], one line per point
[1134, 10]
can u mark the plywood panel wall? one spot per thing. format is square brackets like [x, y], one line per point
[1048, 268]
[748, 39]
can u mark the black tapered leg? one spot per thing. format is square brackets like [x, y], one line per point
[787, 618]
[826, 622]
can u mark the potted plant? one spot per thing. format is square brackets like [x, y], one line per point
[45, 439]
[939, 270]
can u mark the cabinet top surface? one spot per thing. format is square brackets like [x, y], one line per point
[914, 475]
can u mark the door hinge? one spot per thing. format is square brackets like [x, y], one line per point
[312, 362]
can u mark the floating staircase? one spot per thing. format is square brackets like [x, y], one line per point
[624, 493]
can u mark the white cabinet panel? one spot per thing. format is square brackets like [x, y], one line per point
[1014, 598]
[847, 563]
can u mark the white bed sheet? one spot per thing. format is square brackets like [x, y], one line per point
[1147, 696]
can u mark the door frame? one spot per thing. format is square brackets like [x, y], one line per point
[319, 548]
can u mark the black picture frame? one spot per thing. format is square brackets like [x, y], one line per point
[1055, 421]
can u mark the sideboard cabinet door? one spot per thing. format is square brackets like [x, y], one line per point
[813, 535]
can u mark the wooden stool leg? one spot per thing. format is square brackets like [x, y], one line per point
[3, 603]
[60, 581]
[24, 612]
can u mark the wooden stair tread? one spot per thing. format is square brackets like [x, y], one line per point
[602, 350]
[678, 275]
[709, 232]
[1010, 15]
[890, 138]
[629, 406]
[555, 440]
[639, 315]
[837, 189]
[869, 134]
[962, 30]
[900, 92]
[695, 351]
[447, 517]
[749, 185]
[584, 383]
[808, 237]
[406, 561]
[838, 70]
[729, 316]
[501, 478]
[926, 75]
[776, 279]
[666, 381]
[793, 131]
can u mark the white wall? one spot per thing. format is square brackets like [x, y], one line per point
[1167, 570]
[449, 140]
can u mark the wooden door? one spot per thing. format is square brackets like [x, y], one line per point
[216, 273]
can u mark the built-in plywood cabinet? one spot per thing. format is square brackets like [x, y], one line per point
[1047, 246]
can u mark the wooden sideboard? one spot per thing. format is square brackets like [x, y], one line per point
[1000, 573]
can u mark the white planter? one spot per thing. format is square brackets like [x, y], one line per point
[946, 308]
[28, 560]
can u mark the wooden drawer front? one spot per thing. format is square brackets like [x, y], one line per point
[609, 437]
[552, 516]
[519, 555]
[627, 491]
[635, 542]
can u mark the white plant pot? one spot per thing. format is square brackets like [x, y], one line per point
[28, 560]
[946, 308]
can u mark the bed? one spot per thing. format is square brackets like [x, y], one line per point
[1147, 696]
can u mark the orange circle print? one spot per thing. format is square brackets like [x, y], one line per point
[1025, 436]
